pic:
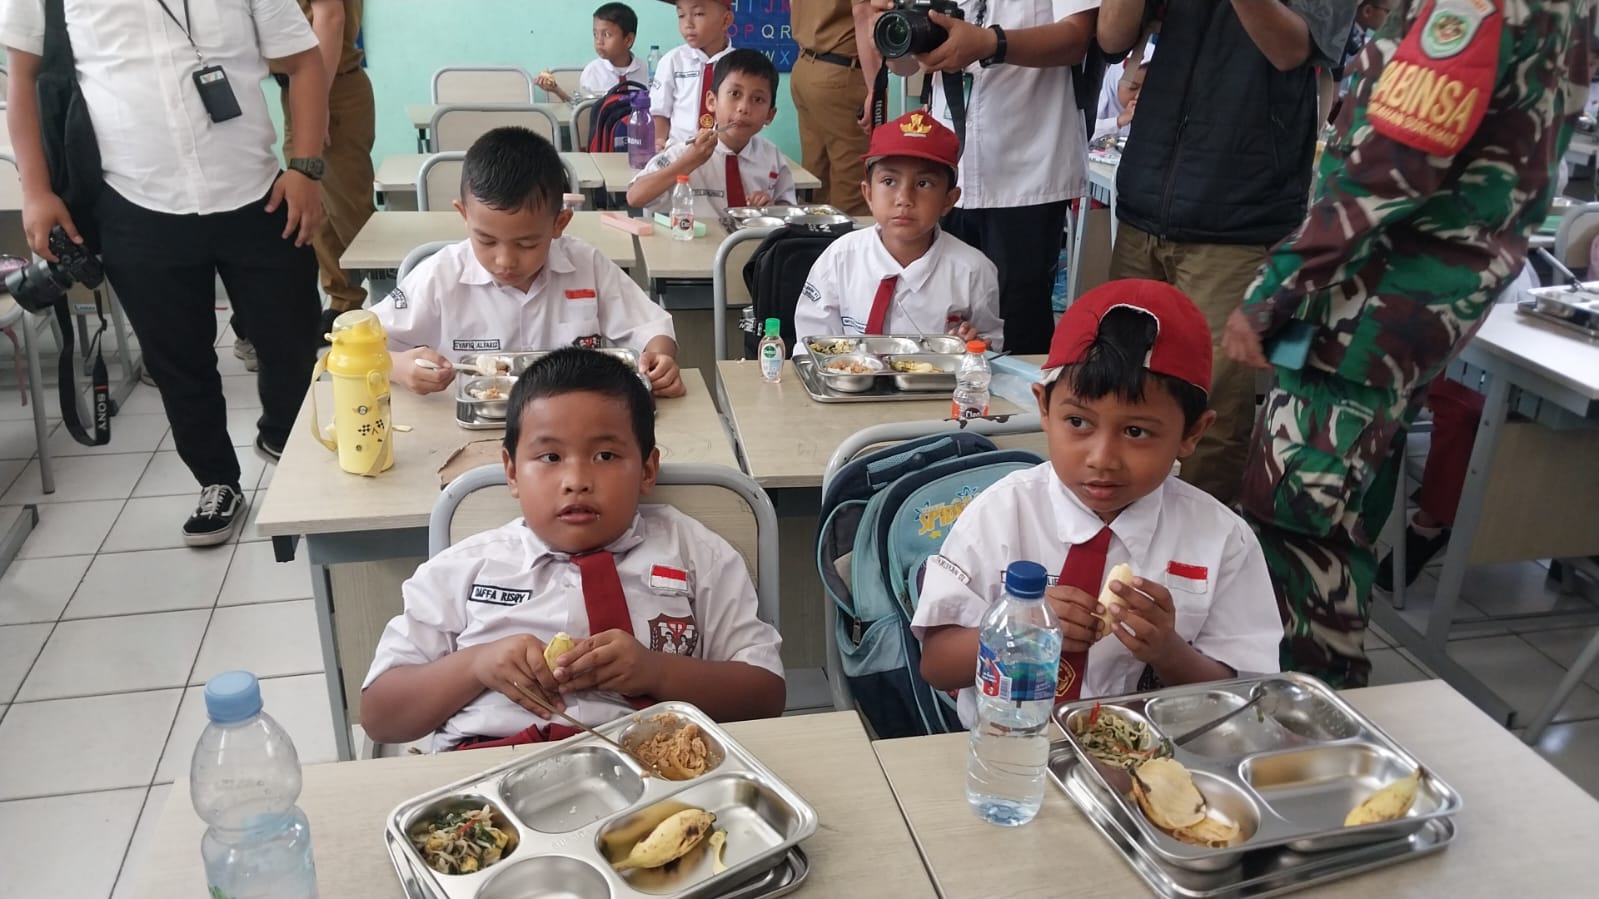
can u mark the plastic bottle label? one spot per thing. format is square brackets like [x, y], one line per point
[771, 362]
[1017, 682]
[956, 410]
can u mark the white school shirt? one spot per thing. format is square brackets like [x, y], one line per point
[761, 166]
[678, 86]
[1025, 139]
[1110, 105]
[158, 147]
[951, 283]
[1178, 535]
[688, 592]
[451, 303]
[600, 76]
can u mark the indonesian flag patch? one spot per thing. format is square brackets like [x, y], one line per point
[1183, 576]
[1435, 91]
[666, 579]
[580, 294]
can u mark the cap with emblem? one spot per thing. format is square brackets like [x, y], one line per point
[1182, 347]
[915, 134]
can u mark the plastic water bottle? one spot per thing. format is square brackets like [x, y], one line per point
[1016, 669]
[640, 132]
[654, 59]
[243, 780]
[770, 352]
[682, 210]
[971, 383]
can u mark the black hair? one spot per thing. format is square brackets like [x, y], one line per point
[948, 170]
[746, 62]
[1114, 365]
[512, 168]
[572, 369]
[619, 14]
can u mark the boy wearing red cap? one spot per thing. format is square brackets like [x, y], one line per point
[1122, 396]
[905, 276]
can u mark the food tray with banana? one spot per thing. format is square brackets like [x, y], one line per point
[1294, 769]
[483, 384]
[684, 812]
[871, 369]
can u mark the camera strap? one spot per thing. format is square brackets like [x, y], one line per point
[956, 84]
[68, 381]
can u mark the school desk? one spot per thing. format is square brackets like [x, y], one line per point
[1093, 231]
[395, 178]
[616, 171]
[386, 238]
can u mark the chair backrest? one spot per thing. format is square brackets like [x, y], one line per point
[482, 84]
[723, 499]
[572, 184]
[727, 281]
[1578, 228]
[581, 124]
[417, 254]
[438, 181]
[566, 78]
[455, 127]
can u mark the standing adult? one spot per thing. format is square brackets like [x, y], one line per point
[1217, 168]
[192, 191]
[1443, 163]
[831, 86]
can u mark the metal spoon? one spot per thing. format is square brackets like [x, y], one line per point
[552, 711]
[1277, 690]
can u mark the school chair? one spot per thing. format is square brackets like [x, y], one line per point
[1574, 239]
[872, 438]
[417, 254]
[728, 287]
[582, 126]
[455, 127]
[438, 181]
[482, 84]
[22, 328]
[566, 78]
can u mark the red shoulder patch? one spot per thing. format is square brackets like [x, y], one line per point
[1435, 91]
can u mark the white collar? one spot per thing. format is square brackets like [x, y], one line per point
[473, 272]
[1076, 523]
[538, 550]
[913, 276]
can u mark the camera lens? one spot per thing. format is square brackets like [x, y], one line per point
[893, 34]
[37, 287]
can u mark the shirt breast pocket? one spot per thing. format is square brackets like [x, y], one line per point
[673, 628]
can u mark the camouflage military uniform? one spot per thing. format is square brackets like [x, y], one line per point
[1442, 164]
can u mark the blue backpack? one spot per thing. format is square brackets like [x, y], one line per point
[883, 515]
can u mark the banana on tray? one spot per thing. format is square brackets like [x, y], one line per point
[1387, 804]
[670, 840]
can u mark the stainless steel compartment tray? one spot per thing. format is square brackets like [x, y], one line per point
[559, 820]
[816, 384]
[468, 411]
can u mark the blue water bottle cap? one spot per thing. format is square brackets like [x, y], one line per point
[234, 696]
[1025, 580]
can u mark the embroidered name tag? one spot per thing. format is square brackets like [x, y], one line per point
[951, 567]
[499, 596]
[666, 579]
[397, 298]
[466, 346]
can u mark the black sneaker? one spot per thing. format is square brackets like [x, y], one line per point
[216, 518]
[244, 351]
[267, 449]
[1419, 551]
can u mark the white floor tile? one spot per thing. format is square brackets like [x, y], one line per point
[250, 532]
[17, 440]
[1574, 749]
[70, 529]
[241, 429]
[107, 655]
[153, 522]
[1418, 605]
[267, 471]
[10, 471]
[142, 400]
[119, 742]
[1389, 667]
[168, 476]
[65, 845]
[300, 704]
[143, 834]
[241, 391]
[270, 640]
[257, 576]
[129, 434]
[80, 478]
[225, 336]
[152, 580]
[1519, 588]
[1564, 646]
[1521, 675]
[19, 646]
[38, 589]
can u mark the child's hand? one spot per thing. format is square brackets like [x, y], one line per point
[1126, 116]
[502, 665]
[759, 198]
[420, 378]
[611, 660]
[666, 379]
[701, 147]
[966, 331]
[545, 80]
[1075, 610]
[1145, 620]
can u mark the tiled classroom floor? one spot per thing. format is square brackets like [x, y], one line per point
[108, 626]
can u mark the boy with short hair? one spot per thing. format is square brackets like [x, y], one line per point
[680, 94]
[1123, 396]
[515, 283]
[659, 606]
[615, 29]
[730, 164]
[1118, 96]
[905, 276]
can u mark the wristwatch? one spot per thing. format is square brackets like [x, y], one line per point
[999, 48]
[310, 166]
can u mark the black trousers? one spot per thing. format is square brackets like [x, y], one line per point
[1024, 243]
[164, 268]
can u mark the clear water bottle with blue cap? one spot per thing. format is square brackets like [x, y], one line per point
[244, 779]
[1017, 663]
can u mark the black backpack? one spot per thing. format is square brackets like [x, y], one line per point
[775, 276]
[608, 117]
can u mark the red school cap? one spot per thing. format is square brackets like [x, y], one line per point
[1182, 347]
[915, 134]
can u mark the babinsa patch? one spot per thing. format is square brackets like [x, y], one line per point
[1435, 91]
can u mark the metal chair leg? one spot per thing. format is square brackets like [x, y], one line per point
[1568, 685]
[41, 428]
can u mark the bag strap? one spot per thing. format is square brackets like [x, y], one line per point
[68, 382]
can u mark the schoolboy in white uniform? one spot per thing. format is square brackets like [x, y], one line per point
[1123, 396]
[515, 283]
[731, 165]
[658, 605]
[680, 92]
[615, 29]
[905, 276]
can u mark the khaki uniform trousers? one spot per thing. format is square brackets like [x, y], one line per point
[827, 98]
[346, 184]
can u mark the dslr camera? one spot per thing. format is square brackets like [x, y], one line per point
[37, 287]
[906, 30]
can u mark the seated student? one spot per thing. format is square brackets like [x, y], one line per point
[660, 607]
[615, 29]
[1118, 97]
[731, 164]
[515, 283]
[905, 276]
[1123, 396]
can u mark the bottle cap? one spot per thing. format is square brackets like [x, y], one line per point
[976, 346]
[1025, 580]
[232, 696]
[773, 327]
[682, 179]
[641, 100]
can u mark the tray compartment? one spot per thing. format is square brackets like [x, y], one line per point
[484, 408]
[1316, 718]
[1247, 733]
[647, 728]
[890, 346]
[852, 382]
[568, 791]
[1315, 788]
[942, 344]
[1115, 777]
[417, 821]
[1229, 804]
[941, 380]
[546, 877]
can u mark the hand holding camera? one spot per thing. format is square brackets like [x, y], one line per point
[41, 217]
[37, 287]
[934, 31]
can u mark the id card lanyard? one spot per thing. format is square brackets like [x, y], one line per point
[211, 81]
[183, 26]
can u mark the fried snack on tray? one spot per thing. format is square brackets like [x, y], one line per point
[1165, 791]
[676, 751]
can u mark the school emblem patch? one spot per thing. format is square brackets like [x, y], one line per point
[589, 342]
[1064, 678]
[671, 634]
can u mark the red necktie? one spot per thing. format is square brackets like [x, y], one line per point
[604, 600]
[879, 314]
[735, 182]
[1084, 569]
[706, 119]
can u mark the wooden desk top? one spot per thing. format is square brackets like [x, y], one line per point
[663, 257]
[1524, 830]
[825, 758]
[397, 173]
[310, 494]
[1560, 355]
[787, 437]
[421, 114]
[388, 236]
[617, 173]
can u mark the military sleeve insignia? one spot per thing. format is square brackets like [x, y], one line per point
[1435, 91]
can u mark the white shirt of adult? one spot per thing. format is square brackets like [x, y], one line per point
[678, 86]
[1025, 139]
[600, 76]
[951, 283]
[159, 148]
[761, 167]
